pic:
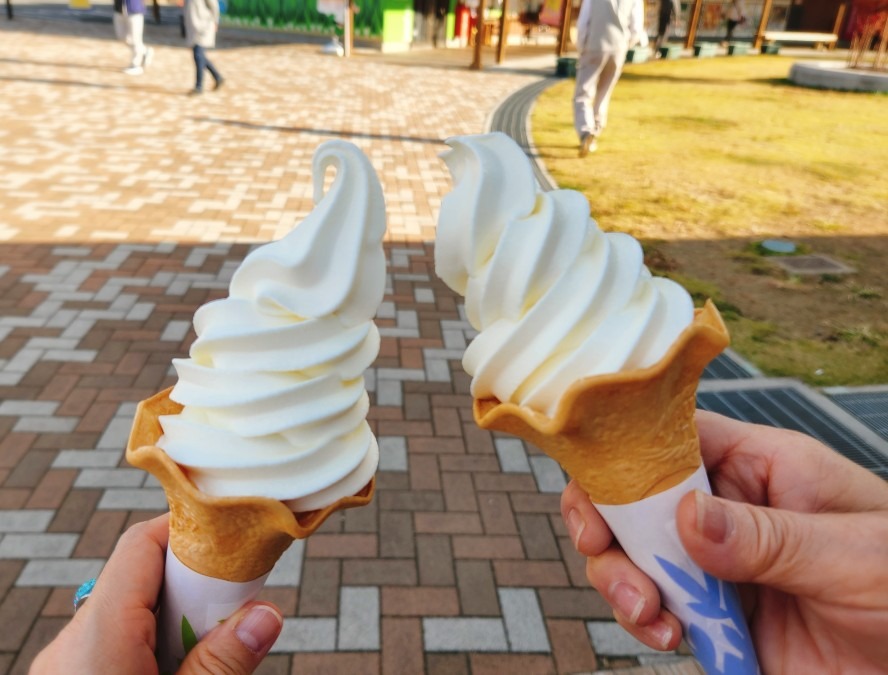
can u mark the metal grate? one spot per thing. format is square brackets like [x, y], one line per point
[812, 264]
[870, 408]
[788, 409]
[723, 367]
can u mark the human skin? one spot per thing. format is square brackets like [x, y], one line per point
[115, 630]
[801, 529]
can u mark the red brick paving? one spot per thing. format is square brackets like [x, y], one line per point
[442, 537]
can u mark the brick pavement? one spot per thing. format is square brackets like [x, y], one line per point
[124, 205]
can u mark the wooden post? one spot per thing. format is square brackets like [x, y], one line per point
[156, 12]
[9, 9]
[348, 29]
[763, 26]
[566, 16]
[837, 26]
[693, 20]
[479, 36]
[503, 32]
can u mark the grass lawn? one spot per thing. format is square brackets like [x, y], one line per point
[703, 159]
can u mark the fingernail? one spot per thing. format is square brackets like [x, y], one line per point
[575, 525]
[259, 628]
[627, 600]
[714, 521]
[661, 632]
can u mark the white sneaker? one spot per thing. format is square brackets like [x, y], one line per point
[148, 57]
[588, 144]
[134, 70]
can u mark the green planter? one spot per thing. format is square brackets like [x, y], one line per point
[566, 67]
[670, 52]
[704, 50]
[738, 48]
[772, 48]
[638, 55]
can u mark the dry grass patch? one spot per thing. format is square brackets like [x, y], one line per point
[702, 159]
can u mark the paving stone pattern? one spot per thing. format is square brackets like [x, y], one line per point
[125, 205]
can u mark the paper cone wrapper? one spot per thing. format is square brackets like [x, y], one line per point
[223, 548]
[708, 609]
[191, 605]
[626, 436]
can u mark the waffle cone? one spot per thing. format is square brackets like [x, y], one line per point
[629, 435]
[230, 538]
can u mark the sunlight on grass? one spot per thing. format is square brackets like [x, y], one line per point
[854, 355]
[703, 159]
[698, 147]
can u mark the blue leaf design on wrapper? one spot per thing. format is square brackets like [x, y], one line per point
[683, 579]
[707, 603]
[709, 611]
[743, 642]
[704, 650]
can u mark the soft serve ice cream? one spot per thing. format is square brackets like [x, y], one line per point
[553, 297]
[273, 392]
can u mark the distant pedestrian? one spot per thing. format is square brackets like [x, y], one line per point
[669, 13]
[201, 24]
[735, 16]
[605, 30]
[129, 26]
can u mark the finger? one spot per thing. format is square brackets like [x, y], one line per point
[588, 531]
[798, 553]
[722, 437]
[769, 466]
[238, 646]
[624, 587]
[134, 572]
[120, 610]
[663, 633]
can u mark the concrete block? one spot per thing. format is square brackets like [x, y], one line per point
[548, 474]
[523, 618]
[358, 619]
[26, 546]
[393, 453]
[464, 635]
[59, 572]
[512, 455]
[28, 520]
[306, 635]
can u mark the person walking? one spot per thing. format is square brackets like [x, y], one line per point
[735, 16]
[669, 12]
[201, 24]
[129, 26]
[605, 30]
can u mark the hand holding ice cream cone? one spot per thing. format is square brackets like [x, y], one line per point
[583, 353]
[265, 434]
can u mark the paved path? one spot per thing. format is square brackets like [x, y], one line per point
[124, 205]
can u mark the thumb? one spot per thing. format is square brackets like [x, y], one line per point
[755, 544]
[237, 646]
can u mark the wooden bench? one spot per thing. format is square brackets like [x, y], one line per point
[819, 40]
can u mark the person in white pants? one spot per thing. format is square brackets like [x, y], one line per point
[129, 26]
[605, 30]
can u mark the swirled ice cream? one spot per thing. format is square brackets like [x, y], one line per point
[273, 392]
[553, 297]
